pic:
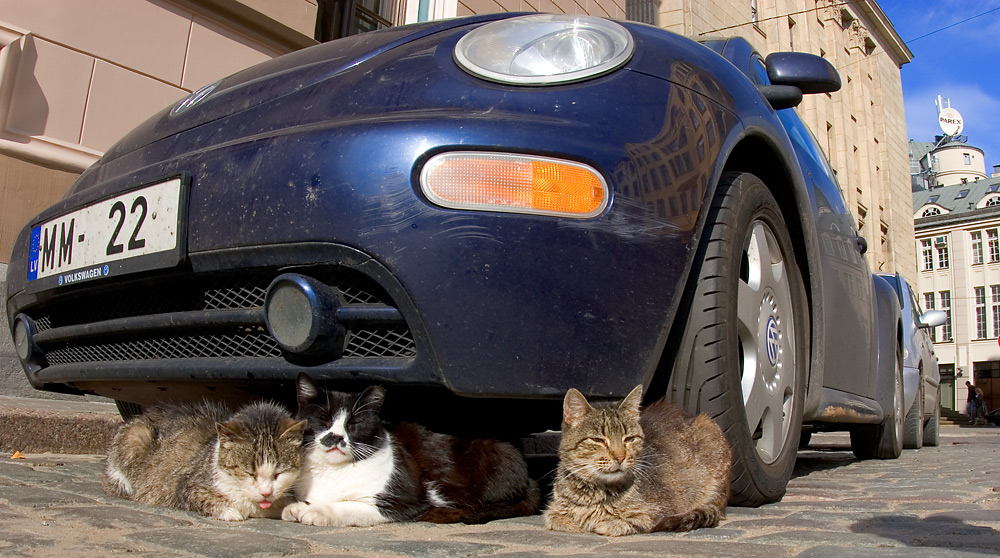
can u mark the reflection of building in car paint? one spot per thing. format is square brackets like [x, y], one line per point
[666, 173]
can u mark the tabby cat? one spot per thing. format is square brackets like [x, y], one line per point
[624, 471]
[359, 472]
[206, 459]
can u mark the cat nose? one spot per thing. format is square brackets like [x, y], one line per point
[266, 491]
[331, 440]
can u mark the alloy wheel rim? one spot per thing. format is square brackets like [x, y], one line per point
[767, 342]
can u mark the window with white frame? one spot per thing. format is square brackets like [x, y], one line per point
[980, 295]
[946, 307]
[977, 247]
[928, 254]
[995, 292]
[993, 243]
[941, 243]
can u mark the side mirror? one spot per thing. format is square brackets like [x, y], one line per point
[810, 73]
[932, 318]
[793, 74]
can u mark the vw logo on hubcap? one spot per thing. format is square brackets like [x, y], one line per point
[772, 341]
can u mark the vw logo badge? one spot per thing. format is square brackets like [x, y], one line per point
[772, 341]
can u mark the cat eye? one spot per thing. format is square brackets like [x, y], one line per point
[632, 439]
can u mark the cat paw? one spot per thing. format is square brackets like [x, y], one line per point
[231, 514]
[293, 511]
[614, 529]
[318, 517]
[307, 514]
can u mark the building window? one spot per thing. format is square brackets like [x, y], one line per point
[928, 254]
[977, 248]
[929, 304]
[961, 194]
[930, 212]
[967, 158]
[941, 243]
[993, 201]
[341, 18]
[946, 307]
[995, 291]
[980, 293]
[993, 242]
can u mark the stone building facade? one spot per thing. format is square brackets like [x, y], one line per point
[957, 239]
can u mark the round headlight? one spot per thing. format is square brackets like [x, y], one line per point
[544, 49]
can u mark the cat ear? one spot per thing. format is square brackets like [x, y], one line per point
[228, 430]
[632, 401]
[307, 389]
[292, 429]
[575, 407]
[370, 400]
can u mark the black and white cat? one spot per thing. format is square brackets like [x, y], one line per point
[358, 472]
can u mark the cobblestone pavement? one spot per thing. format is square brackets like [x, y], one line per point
[938, 502]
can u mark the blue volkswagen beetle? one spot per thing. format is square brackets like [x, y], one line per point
[479, 213]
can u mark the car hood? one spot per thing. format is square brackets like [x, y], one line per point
[364, 78]
[271, 80]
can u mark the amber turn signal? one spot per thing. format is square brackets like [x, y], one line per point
[514, 183]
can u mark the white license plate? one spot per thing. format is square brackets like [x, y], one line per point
[136, 231]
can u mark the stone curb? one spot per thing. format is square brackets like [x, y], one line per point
[51, 426]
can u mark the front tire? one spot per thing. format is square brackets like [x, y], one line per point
[931, 429]
[127, 409]
[743, 353]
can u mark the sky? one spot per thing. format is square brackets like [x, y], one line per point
[953, 58]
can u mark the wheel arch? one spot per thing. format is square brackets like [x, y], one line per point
[757, 153]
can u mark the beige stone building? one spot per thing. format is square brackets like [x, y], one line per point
[77, 74]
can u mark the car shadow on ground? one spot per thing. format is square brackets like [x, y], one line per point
[945, 530]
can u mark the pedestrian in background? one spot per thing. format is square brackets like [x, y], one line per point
[976, 405]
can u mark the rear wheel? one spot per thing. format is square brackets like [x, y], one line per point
[931, 428]
[883, 441]
[913, 428]
[742, 358]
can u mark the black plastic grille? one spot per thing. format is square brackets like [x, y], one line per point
[242, 291]
[245, 290]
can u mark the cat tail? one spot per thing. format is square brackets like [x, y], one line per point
[528, 505]
[694, 519]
